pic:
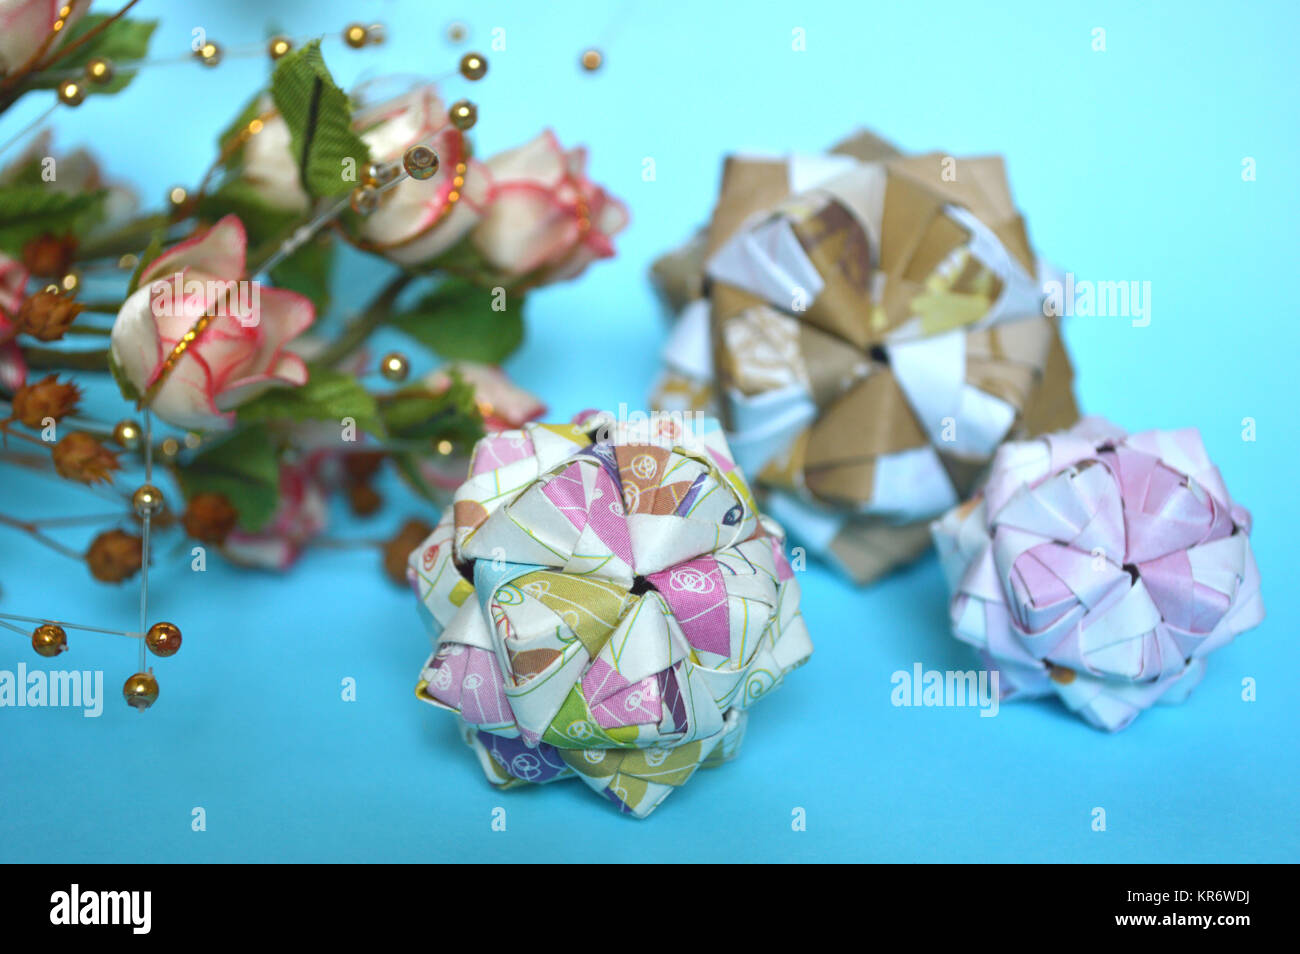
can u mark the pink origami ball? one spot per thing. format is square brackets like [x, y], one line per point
[1100, 567]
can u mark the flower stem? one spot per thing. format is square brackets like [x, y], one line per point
[365, 324]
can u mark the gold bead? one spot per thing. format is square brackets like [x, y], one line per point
[209, 54]
[71, 93]
[147, 500]
[279, 46]
[456, 32]
[464, 114]
[365, 199]
[126, 434]
[70, 282]
[169, 448]
[128, 261]
[193, 439]
[163, 639]
[49, 640]
[380, 173]
[473, 66]
[177, 196]
[592, 60]
[354, 35]
[444, 447]
[99, 71]
[141, 691]
[53, 289]
[394, 366]
[420, 162]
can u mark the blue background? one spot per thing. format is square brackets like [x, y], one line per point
[1127, 164]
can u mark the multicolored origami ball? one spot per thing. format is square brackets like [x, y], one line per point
[606, 603]
[1102, 568]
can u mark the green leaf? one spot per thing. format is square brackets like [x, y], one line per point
[307, 271]
[121, 42]
[245, 469]
[328, 395]
[416, 413]
[29, 211]
[319, 117]
[123, 382]
[458, 322]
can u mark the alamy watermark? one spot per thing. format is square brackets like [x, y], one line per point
[241, 300]
[666, 427]
[56, 688]
[947, 688]
[1089, 299]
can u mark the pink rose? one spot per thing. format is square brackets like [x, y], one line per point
[545, 214]
[25, 25]
[417, 220]
[301, 517]
[240, 352]
[13, 283]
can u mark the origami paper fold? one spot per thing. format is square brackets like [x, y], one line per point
[1101, 567]
[606, 604]
[870, 327]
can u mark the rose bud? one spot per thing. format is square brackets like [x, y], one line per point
[47, 315]
[50, 256]
[28, 24]
[398, 549]
[241, 348]
[84, 459]
[34, 403]
[114, 556]
[546, 216]
[209, 517]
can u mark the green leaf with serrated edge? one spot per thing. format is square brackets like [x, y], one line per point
[319, 117]
[458, 322]
[27, 212]
[244, 468]
[122, 42]
[327, 396]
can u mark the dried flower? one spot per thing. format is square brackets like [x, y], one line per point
[82, 458]
[114, 556]
[364, 499]
[398, 549]
[209, 517]
[363, 465]
[47, 315]
[47, 399]
[50, 256]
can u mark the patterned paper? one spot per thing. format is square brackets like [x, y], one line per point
[871, 327]
[1101, 568]
[606, 603]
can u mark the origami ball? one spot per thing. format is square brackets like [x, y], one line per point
[1101, 568]
[606, 604]
[870, 327]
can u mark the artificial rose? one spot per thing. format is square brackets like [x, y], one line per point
[74, 173]
[302, 515]
[417, 220]
[243, 350]
[25, 25]
[545, 215]
[268, 165]
[13, 282]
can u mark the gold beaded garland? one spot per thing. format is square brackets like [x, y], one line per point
[209, 54]
[49, 639]
[354, 35]
[177, 196]
[70, 282]
[279, 46]
[163, 639]
[464, 114]
[141, 691]
[147, 501]
[126, 434]
[169, 448]
[592, 59]
[395, 367]
[473, 66]
[99, 71]
[71, 93]
[420, 162]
